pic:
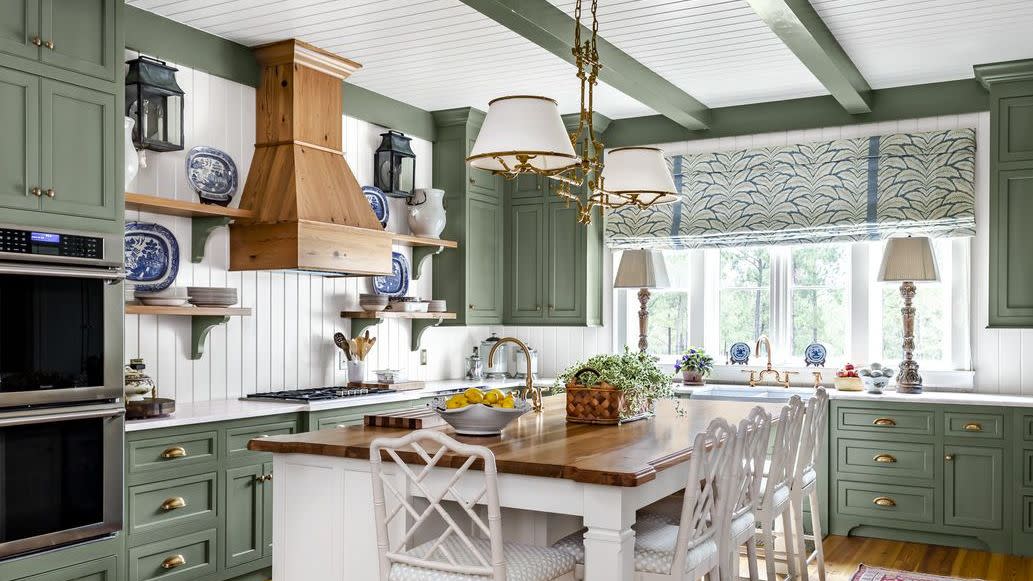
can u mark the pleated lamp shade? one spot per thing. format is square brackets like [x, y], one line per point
[909, 259]
[527, 125]
[640, 172]
[641, 269]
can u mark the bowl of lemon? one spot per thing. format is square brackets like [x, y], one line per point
[480, 413]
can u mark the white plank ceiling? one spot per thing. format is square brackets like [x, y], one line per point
[439, 54]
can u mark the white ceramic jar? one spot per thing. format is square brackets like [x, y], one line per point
[427, 212]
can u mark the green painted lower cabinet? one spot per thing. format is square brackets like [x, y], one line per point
[99, 570]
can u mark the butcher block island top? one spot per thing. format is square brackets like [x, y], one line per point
[546, 445]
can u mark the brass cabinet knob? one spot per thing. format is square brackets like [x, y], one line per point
[884, 422]
[174, 452]
[884, 501]
[49, 44]
[948, 458]
[884, 458]
[973, 427]
[268, 477]
[173, 503]
[36, 192]
[50, 193]
[472, 307]
[173, 562]
[37, 41]
[537, 307]
[260, 478]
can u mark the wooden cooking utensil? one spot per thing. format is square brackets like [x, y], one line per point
[342, 343]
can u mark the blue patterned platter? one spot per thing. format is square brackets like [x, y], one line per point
[378, 201]
[212, 174]
[815, 354]
[152, 256]
[739, 353]
[397, 284]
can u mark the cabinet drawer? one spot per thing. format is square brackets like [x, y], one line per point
[181, 558]
[353, 416]
[172, 451]
[237, 438]
[886, 421]
[974, 425]
[886, 501]
[886, 459]
[172, 502]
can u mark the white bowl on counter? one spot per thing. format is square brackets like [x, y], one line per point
[479, 419]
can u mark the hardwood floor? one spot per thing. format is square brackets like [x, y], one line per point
[843, 554]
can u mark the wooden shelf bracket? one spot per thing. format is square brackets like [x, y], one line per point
[419, 255]
[419, 326]
[200, 326]
[201, 229]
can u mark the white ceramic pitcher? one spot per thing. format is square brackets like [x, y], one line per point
[132, 160]
[427, 212]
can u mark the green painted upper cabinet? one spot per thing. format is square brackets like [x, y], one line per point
[20, 29]
[19, 140]
[470, 277]
[1011, 192]
[525, 255]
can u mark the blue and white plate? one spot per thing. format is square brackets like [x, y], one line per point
[739, 353]
[212, 174]
[815, 354]
[378, 201]
[152, 256]
[397, 284]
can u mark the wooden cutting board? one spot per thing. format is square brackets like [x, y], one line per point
[416, 419]
[402, 386]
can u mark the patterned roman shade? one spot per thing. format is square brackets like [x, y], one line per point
[844, 190]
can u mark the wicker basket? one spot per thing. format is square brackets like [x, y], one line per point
[600, 403]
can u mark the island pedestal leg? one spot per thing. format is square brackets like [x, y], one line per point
[609, 540]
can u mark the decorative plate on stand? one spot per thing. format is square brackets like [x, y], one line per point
[212, 174]
[397, 283]
[378, 201]
[815, 354]
[151, 255]
[739, 353]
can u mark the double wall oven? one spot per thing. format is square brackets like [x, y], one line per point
[61, 412]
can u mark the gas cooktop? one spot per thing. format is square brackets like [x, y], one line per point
[314, 394]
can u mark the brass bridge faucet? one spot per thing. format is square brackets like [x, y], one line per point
[535, 393]
[758, 376]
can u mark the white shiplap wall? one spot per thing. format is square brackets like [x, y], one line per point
[286, 343]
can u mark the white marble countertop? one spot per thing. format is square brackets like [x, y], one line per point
[930, 395]
[189, 413]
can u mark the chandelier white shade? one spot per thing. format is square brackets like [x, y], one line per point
[525, 127]
[909, 259]
[640, 174]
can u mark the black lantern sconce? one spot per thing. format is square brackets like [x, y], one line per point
[155, 102]
[394, 165]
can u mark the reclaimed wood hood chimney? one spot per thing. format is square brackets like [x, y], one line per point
[310, 212]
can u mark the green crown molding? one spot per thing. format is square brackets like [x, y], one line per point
[382, 110]
[946, 98]
[458, 116]
[1004, 72]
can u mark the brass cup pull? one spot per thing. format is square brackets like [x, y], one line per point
[973, 427]
[884, 422]
[50, 193]
[884, 501]
[173, 562]
[173, 503]
[36, 192]
[49, 44]
[174, 452]
[884, 458]
[37, 41]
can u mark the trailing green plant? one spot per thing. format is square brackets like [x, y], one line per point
[636, 374]
[695, 359]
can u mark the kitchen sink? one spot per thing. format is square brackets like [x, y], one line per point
[747, 393]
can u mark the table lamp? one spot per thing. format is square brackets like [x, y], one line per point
[907, 261]
[641, 269]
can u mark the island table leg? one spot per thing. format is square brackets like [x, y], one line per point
[609, 540]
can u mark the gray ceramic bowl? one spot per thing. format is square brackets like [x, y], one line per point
[479, 419]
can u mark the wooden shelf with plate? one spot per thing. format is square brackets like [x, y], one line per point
[204, 218]
[422, 248]
[420, 321]
[201, 323]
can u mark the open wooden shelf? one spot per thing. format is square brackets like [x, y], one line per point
[394, 315]
[420, 322]
[410, 240]
[147, 203]
[202, 319]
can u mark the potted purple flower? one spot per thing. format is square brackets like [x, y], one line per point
[694, 366]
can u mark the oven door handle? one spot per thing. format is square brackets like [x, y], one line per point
[65, 271]
[25, 420]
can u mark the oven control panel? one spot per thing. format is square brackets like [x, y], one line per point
[50, 243]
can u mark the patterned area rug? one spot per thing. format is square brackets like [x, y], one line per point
[866, 573]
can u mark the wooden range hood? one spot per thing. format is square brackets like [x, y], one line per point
[310, 212]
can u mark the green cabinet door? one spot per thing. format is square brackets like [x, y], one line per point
[98, 570]
[19, 28]
[528, 187]
[973, 486]
[566, 263]
[82, 34]
[1011, 272]
[78, 145]
[526, 236]
[245, 506]
[484, 260]
[19, 140]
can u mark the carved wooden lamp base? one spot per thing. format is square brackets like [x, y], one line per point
[908, 378]
[643, 318]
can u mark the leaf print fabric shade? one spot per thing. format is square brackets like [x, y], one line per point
[835, 191]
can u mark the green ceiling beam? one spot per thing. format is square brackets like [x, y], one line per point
[551, 28]
[803, 31]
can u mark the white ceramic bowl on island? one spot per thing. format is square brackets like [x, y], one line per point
[479, 419]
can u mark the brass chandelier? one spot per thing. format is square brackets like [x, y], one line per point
[525, 135]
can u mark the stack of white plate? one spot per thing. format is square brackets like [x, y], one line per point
[203, 296]
[173, 296]
[371, 302]
[436, 306]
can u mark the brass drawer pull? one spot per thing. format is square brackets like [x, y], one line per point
[173, 562]
[173, 503]
[884, 458]
[37, 41]
[174, 452]
[973, 427]
[36, 192]
[50, 193]
[884, 501]
[884, 422]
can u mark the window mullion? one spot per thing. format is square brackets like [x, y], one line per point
[781, 276]
[858, 346]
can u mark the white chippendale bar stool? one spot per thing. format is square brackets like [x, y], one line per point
[805, 483]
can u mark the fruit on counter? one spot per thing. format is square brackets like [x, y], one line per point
[876, 369]
[472, 396]
[848, 379]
